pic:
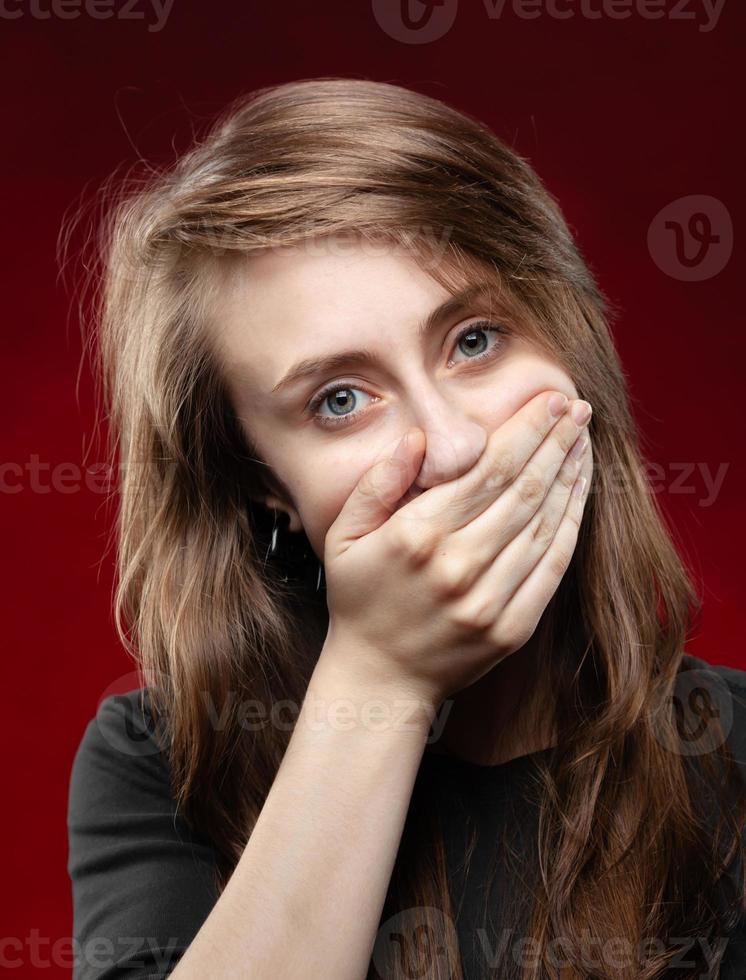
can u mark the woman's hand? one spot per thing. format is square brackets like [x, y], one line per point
[427, 598]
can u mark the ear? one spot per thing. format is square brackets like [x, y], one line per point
[267, 489]
[271, 502]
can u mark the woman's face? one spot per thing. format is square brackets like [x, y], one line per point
[296, 304]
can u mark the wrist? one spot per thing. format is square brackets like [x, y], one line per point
[344, 693]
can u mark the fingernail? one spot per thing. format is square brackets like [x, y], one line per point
[581, 412]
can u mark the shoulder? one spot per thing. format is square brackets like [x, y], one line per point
[137, 869]
[120, 754]
[733, 676]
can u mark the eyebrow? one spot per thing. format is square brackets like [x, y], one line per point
[312, 366]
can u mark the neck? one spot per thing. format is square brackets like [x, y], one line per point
[503, 715]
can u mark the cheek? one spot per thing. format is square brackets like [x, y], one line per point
[322, 493]
[321, 500]
[533, 376]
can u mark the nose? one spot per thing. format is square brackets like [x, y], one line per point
[454, 442]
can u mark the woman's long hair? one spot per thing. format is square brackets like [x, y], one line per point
[625, 848]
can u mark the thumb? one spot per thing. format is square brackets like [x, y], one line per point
[378, 490]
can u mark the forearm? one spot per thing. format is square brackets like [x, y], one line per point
[306, 896]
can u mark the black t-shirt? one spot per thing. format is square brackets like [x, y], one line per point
[142, 882]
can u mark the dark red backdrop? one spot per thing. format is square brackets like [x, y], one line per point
[620, 116]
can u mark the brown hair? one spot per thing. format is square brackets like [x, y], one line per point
[623, 850]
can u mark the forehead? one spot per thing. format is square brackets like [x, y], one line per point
[287, 303]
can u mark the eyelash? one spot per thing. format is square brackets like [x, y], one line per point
[481, 326]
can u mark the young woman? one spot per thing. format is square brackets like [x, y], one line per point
[411, 707]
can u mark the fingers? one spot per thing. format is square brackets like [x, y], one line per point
[493, 582]
[512, 502]
[374, 498]
[455, 503]
[531, 597]
[522, 502]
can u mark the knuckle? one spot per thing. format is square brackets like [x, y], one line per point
[567, 476]
[559, 561]
[474, 616]
[450, 578]
[514, 633]
[409, 540]
[542, 530]
[531, 489]
[502, 470]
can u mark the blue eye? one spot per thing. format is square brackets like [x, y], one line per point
[344, 392]
[483, 327]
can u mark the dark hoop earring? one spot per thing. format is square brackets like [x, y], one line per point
[273, 543]
[275, 552]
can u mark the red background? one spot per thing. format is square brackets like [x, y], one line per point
[619, 117]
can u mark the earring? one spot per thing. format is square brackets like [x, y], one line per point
[272, 550]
